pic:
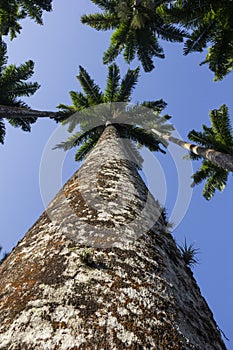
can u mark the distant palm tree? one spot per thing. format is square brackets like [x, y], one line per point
[137, 28]
[210, 26]
[11, 12]
[219, 136]
[215, 146]
[111, 108]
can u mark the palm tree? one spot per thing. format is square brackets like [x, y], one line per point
[210, 26]
[11, 12]
[137, 28]
[216, 149]
[12, 86]
[111, 107]
[100, 270]
[220, 137]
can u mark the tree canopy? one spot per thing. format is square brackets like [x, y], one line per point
[13, 11]
[137, 27]
[112, 109]
[210, 26]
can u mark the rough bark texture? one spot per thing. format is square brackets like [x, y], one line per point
[129, 290]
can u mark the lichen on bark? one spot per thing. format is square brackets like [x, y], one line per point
[135, 293]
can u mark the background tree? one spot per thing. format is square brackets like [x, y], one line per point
[214, 146]
[210, 26]
[137, 27]
[13, 11]
[220, 137]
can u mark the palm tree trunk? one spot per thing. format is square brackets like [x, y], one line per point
[129, 290]
[19, 112]
[224, 160]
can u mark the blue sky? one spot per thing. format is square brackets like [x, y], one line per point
[58, 48]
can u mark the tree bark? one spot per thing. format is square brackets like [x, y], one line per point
[129, 290]
[19, 112]
[224, 160]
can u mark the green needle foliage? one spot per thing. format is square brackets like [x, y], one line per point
[218, 136]
[210, 25]
[13, 84]
[189, 253]
[137, 26]
[111, 106]
[13, 11]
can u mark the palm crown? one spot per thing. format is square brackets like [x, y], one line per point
[219, 137]
[111, 106]
[11, 12]
[13, 85]
[210, 23]
[137, 28]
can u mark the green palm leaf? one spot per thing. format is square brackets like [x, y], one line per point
[210, 26]
[2, 131]
[116, 44]
[220, 138]
[127, 85]
[12, 12]
[137, 27]
[112, 86]
[92, 91]
[13, 85]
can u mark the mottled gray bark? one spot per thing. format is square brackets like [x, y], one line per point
[222, 159]
[129, 290]
[19, 112]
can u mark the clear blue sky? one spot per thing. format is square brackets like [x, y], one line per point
[57, 49]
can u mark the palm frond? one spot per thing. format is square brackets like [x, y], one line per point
[198, 39]
[221, 125]
[106, 4]
[170, 33]
[156, 106]
[148, 47]
[143, 137]
[23, 123]
[130, 48]
[84, 150]
[79, 138]
[2, 131]
[3, 56]
[79, 100]
[117, 43]
[127, 85]
[91, 90]
[214, 176]
[112, 83]
[100, 21]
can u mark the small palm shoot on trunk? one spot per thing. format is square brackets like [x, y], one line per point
[94, 110]
[189, 253]
[137, 27]
[13, 84]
